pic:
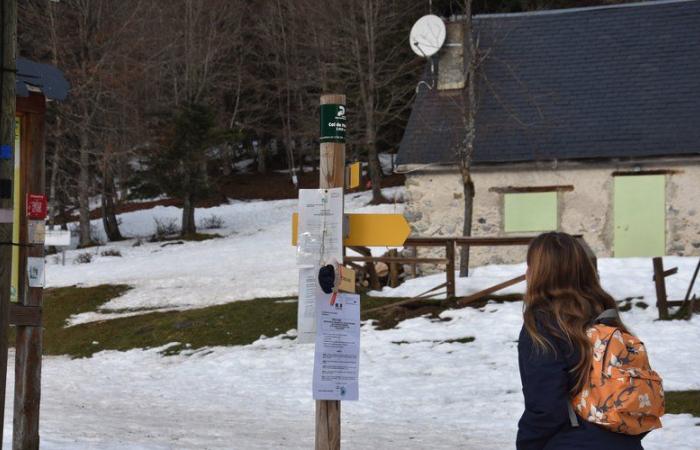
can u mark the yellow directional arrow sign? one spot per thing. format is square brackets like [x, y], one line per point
[369, 230]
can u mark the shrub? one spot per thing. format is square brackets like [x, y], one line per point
[165, 228]
[212, 222]
[83, 258]
[111, 252]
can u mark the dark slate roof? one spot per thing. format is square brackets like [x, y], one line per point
[609, 82]
[48, 79]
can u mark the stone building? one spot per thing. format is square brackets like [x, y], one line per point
[588, 121]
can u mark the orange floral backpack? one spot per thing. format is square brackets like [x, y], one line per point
[622, 394]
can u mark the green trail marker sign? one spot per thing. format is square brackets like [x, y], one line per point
[333, 123]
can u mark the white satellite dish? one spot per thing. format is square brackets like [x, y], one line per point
[427, 35]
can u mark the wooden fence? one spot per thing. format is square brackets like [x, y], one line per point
[450, 244]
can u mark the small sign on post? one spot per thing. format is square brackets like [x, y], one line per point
[333, 123]
[37, 206]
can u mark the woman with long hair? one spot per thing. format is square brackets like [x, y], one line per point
[562, 300]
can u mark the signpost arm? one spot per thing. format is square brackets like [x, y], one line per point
[7, 137]
[332, 173]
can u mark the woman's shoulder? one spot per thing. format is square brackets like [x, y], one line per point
[548, 329]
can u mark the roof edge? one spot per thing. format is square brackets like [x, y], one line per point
[581, 9]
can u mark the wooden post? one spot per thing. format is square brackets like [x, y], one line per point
[332, 174]
[8, 13]
[450, 269]
[28, 346]
[414, 266]
[393, 270]
[660, 283]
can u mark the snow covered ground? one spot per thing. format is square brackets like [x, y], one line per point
[415, 392]
[254, 259]
[415, 395]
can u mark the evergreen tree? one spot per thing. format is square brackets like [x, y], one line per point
[178, 167]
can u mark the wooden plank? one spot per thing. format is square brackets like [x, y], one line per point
[660, 284]
[420, 296]
[475, 241]
[490, 290]
[468, 240]
[521, 189]
[667, 273]
[21, 315]
[396, 259]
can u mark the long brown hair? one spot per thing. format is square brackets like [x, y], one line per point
[564, 292]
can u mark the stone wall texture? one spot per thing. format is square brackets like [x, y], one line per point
[434, 205]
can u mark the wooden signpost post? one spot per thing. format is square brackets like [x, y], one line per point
[332, 175]
[362, 229]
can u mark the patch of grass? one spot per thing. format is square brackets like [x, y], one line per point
[237, 323]
[683, 402]
[462, 340]
[625, 307]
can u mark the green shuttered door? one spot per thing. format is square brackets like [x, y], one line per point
[639, 215]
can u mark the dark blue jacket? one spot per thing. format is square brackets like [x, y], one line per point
[546, 383]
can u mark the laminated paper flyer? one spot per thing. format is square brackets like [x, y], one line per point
[337, 355]
[306, 311]
[320, 226]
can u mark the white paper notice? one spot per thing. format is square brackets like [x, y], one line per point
[35, 272]
[337, 355]
[306, 309]
[320, 226]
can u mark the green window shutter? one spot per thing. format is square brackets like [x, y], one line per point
[536, 211]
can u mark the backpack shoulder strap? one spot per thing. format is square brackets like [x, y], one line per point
[572, 415]
[607, 314]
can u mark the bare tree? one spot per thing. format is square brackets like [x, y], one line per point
[465, 152]
[376, 60]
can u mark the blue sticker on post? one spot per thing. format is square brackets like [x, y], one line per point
[5, 151]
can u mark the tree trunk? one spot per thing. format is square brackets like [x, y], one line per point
[375, 169]
[109, 217]
[467, 150]
[262, 158]
[468, 189]
[188, 226]
[53, 201]
[84, 191]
